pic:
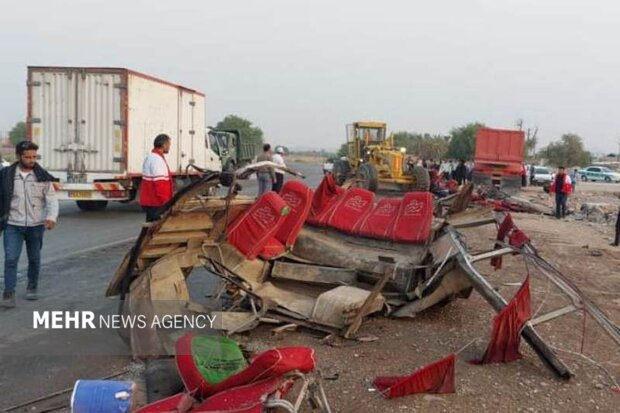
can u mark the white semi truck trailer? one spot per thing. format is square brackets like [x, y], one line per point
[95, 125]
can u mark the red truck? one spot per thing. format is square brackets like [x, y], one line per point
[498, 160]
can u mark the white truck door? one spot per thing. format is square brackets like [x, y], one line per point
[53, 116]
[98, 144]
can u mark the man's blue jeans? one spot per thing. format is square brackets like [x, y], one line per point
[14, 237]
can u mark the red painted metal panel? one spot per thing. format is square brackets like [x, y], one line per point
[499, 149]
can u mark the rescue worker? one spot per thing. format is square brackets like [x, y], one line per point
[278, 159]
[265, 174]
[157, 186]
[562, 187]
[28, 206]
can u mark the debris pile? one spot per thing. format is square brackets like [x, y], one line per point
[325, 259]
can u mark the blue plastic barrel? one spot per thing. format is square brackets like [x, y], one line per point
[101, 396]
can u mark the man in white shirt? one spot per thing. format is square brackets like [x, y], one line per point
[278, 159]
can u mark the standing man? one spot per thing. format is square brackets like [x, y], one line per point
[28, 206]
[460, 172]
[561, 187]
[265, 174]
[278, 159]
[617, 237]
[157, 186]
[573, 178]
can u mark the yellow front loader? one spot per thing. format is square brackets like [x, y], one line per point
[374, 162]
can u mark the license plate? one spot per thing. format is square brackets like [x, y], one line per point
[80, 194]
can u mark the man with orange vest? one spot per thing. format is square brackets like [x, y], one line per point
[561, 186]
[157, 186]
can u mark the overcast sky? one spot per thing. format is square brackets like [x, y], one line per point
[301, 70]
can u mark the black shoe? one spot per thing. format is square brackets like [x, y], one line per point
[8, 300]
[31, 294]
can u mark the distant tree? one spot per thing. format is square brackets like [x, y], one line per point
[18, 133]
[343, 150]
[531, 138]
[463, 141]
[567, 151]
[248, 132]
[425, 146]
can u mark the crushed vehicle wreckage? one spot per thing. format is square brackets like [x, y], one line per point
[321, 259]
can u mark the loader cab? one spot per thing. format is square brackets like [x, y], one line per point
[362, 138]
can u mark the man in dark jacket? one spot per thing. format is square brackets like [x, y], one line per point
[28, 206]
[460, 172]
[562, 188]
[617, 238]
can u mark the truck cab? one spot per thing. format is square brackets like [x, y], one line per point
[231, 148]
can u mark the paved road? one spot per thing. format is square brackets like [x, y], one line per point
[598, 187]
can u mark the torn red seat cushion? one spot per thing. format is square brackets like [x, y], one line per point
[243, 399]
[415, 216]
[251, 231]
[380, 221]
[325, 196]
[269, 364]
[351, 208]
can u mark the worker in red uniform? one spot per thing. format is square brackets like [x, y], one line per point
[562, 187]
[157, 186]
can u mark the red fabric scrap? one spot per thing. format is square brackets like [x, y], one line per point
[433, 378]
[507, 325]
[516, 238]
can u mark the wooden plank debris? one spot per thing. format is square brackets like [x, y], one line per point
[313, 273]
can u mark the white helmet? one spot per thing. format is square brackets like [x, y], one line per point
[280, 149]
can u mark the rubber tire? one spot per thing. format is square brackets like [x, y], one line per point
[607, 179]
[341, 171]
[92, 205]
[584, 178]
[422, 179]
[368, 174]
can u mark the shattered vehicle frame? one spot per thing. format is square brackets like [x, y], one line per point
[327, 281]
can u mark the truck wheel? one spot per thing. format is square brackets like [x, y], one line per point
[421, 179]
[341, 171]
[607, 179]
[584, 178]
[92, 205]
[368, 176]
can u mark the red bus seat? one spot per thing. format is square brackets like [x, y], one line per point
[415, 216]
[251, 231]
[380, 221]
[350, 209]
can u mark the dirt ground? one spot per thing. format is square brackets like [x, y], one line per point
[580, 249]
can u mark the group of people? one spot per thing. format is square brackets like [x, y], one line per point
[460, 171]
[269, 178]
